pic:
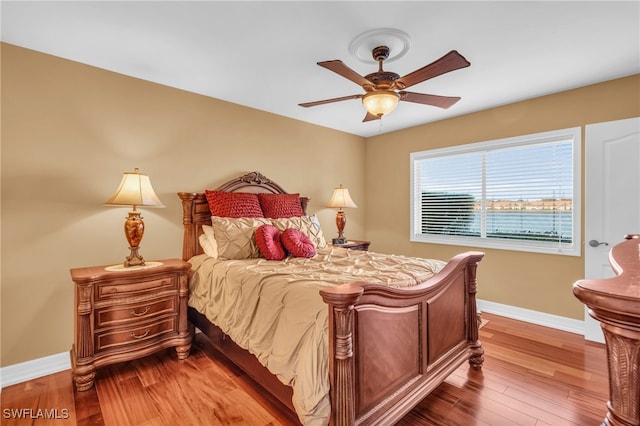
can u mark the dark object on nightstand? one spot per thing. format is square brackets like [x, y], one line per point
[354, 245]
[124, 314]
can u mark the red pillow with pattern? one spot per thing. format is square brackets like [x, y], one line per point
[297, 243]
[233, 204]
[269, 242]
[276, 206]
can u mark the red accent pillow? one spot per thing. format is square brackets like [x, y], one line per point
[276, 206]
[297, 243]
[269, 243]
[233, 204]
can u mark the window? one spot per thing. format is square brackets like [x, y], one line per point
[519, 193]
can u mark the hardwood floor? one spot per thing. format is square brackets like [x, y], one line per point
[532, 375]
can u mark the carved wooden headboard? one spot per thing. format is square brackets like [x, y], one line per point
[195, 208]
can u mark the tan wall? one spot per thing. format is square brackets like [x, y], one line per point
[70, 130]
[532, 281]
[68, 133]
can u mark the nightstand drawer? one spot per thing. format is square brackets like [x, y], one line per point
[111, 290]
[123, 314]
[124, 336]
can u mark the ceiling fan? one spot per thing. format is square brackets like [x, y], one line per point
[384, 89]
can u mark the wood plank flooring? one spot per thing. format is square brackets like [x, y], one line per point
[532, 375]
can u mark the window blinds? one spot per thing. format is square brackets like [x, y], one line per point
[516, 192]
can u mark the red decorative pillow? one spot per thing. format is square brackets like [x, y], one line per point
[277, 206]
[233, 204]
[269, 243]
[297, 243]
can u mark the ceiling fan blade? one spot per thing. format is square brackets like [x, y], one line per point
[340, 68]
[370, 117]
[434, 100]
[328, 101]
[449, 62]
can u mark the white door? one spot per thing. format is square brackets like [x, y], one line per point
[612, 197]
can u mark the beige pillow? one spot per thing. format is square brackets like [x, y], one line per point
[235, 237]
[208, 241]
[306, 225]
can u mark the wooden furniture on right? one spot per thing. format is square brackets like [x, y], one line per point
[355, 245]
[615, 302]
[376, 373]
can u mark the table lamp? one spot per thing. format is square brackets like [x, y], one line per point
[341, 199]
[134, 190]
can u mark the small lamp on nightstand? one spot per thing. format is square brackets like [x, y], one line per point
[134, 190]
[341, 199]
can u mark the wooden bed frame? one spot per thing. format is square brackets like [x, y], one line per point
[388, 348]
[615, 302]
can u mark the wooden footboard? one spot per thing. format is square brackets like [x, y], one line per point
[389, 348]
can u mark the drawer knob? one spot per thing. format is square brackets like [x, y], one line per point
[139, 336]
[139, 314]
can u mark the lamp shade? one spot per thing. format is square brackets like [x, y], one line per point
[380, 103]
[341, 198]
[135, 190]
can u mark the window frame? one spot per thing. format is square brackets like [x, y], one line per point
[573, 134]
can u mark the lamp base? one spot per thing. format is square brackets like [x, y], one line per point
[341, 221]
[134, 230]
[134, 259]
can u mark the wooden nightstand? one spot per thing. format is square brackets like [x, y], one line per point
[126, 314]
[355, 245]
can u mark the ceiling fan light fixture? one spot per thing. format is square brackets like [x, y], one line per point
[381, 88]
[380, 102]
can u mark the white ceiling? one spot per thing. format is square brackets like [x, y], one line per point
[263, 54]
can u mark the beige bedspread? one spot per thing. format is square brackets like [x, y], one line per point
[274, 310]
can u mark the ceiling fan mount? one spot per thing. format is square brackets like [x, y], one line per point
[384, 89]
[381, 79]
[380, 53]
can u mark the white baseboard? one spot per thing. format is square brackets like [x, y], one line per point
[534, 317]
[29, 370]
[18, 373]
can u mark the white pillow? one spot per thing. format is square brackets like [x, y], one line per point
[314, 219]
[208, 242]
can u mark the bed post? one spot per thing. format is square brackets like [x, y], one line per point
[189, 227]
[195, 212]
[615, 303]
[341, 303]
[477, 352]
